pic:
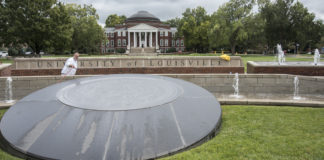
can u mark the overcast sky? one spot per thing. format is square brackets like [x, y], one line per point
[167, 9]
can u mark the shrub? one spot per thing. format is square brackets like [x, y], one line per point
[120, 50]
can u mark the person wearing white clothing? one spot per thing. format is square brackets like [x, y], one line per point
[71, 65]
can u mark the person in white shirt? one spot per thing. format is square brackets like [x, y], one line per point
[71, 65]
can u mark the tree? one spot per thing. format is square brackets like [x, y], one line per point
[87, 33]
[194, 27]
[175, 22]
[29, 22]
[60, 29]
[288, 22]
[229, 24]
[114, 19]
[254, 27]
[305, 30]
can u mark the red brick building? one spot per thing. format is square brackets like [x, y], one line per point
[142, 31]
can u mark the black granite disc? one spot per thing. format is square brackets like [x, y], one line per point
[111, 117]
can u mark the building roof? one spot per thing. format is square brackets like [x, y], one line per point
[110, 29]
[142, 16]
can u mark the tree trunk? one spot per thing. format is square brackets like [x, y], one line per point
[233, 48]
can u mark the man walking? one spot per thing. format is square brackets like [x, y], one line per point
[71, 65]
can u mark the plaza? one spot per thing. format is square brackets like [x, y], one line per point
[157, 80]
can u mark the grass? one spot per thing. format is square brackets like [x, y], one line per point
[259, 132]
[6, 60]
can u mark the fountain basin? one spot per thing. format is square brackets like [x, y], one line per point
[133, 117]
[295, 68]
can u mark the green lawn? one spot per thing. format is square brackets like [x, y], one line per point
[5, 60]
[260, 132]
[263, 132]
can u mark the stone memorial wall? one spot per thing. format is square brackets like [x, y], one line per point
[5, 70]
[115, 65]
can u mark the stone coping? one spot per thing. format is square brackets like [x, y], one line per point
[130, 58]
[272, 102]
[57, 77]
[272, 64]
[244, 101]
[4, 65]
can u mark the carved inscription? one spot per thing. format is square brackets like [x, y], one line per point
[128, 62]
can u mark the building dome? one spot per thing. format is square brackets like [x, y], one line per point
[142, 16]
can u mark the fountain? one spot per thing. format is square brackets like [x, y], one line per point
[281, 55]
[317, 57]
[122, 116]
[296, 89]
[306, 68]
[8, 91]
[236, 87]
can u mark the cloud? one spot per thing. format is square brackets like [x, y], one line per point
[315, 6]
[167, 9]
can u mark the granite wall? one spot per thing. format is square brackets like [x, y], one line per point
[219, 84]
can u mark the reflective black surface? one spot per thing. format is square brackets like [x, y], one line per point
[42, 126]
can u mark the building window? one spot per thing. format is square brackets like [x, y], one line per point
[112, 43]
[166, 42]
[177, 43]
[119, 43]
[173, 43]
[119, 34]
[182, 43]
[107, 43]
[166, 33]
[161, 33]
[173, 34]
[124, 33]
[161, 42]
[112, 34]
[124, 42]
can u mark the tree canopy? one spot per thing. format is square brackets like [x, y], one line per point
[237, 26]
[114, 19]
[49, 25]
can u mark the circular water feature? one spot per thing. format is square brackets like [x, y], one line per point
[110, 117]
[119, 93]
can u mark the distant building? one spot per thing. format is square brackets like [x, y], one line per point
[142, 30]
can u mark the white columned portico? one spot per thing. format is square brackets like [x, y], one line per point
[128, 44]
[143, 30]
[140, 39]
[151, 39]
[156, 40]
[145, 45]
[134, 39]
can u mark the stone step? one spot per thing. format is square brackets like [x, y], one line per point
[142, 50]
[142, 54]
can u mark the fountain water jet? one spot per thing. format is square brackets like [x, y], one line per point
[236, 86]
[317, 57]
[296, 89]
[281, 55]
[8, 91]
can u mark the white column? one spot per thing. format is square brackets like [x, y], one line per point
[156, 40]
[140, 39]
[134, 39]
[128, 44]
[151, 39]
[145, 45]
